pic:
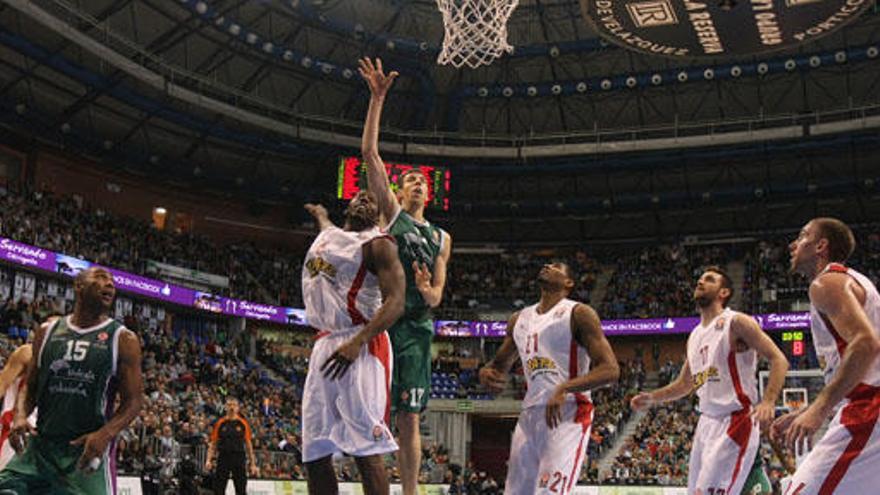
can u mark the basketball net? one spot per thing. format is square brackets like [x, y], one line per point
[475, 31]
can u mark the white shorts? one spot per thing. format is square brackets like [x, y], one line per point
[722, 454]
[545, 461]
[847, 458]
[349, 415]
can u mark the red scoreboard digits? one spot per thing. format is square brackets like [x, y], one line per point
[353, 177]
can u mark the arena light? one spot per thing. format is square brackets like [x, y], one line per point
[581, 87]
[656, 79]
[736, 71]
[251, 38]
[268, 47]
[708, 74]
[840, 57]
[790, 65]
[631, 82]
[605, 84]
[556, 89]
[532, 91]
[20, 108]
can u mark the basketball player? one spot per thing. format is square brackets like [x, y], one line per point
[558, 340]
[353, 289]
[10, 383]
[845, 318]
[424, 251]
[80, 362]
[721, 368]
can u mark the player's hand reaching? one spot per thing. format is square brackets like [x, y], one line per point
[18, 434]
[422, 276]
[317, 211]
[94, 445]
[642, 401]
[801, 430]
[553, 413]
[764, 413]
[375, 77]
[209, 466]
[493, 379]
[254, 470]
[338, 363]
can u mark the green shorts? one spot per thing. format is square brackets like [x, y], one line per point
[411, 382]
[757, 483]
[48, 466]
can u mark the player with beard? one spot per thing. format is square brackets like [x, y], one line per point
[353, 289]
[79, 363]
[720, 368]
[845, 323]
[564, 355]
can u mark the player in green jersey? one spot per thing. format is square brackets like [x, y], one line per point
[79, 363]
[424, 251]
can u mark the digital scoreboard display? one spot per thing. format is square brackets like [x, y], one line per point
[353, 178]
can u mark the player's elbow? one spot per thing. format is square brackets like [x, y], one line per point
[396, 306]
[871, 344]
[613, 372]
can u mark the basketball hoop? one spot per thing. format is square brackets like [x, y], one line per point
[475, 31]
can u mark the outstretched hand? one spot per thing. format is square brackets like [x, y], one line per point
[375, 77]
[422, 276]
[316, 210]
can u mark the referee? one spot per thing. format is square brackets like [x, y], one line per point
[231, 441]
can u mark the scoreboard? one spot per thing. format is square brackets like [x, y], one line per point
[353, 178]
[797, 342]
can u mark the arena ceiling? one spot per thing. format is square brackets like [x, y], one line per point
[293, 63]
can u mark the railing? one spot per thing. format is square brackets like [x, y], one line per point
[249, 101]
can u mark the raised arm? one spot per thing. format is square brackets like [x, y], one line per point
[381, 255]
[678, 388]
[494, 374]
[837, 296]
[131, 394]
[744, 328]
[431, 285]
[319, 213]
[377, 178]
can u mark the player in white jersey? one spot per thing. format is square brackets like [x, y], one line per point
[353, 289]
[564, 355]
[845, 323]
[720, 368]
[11, 379]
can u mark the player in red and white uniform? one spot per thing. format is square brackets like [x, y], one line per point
[11, 380]
[845, 322]
[353, 289]
[720, 368]
[558, 340]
